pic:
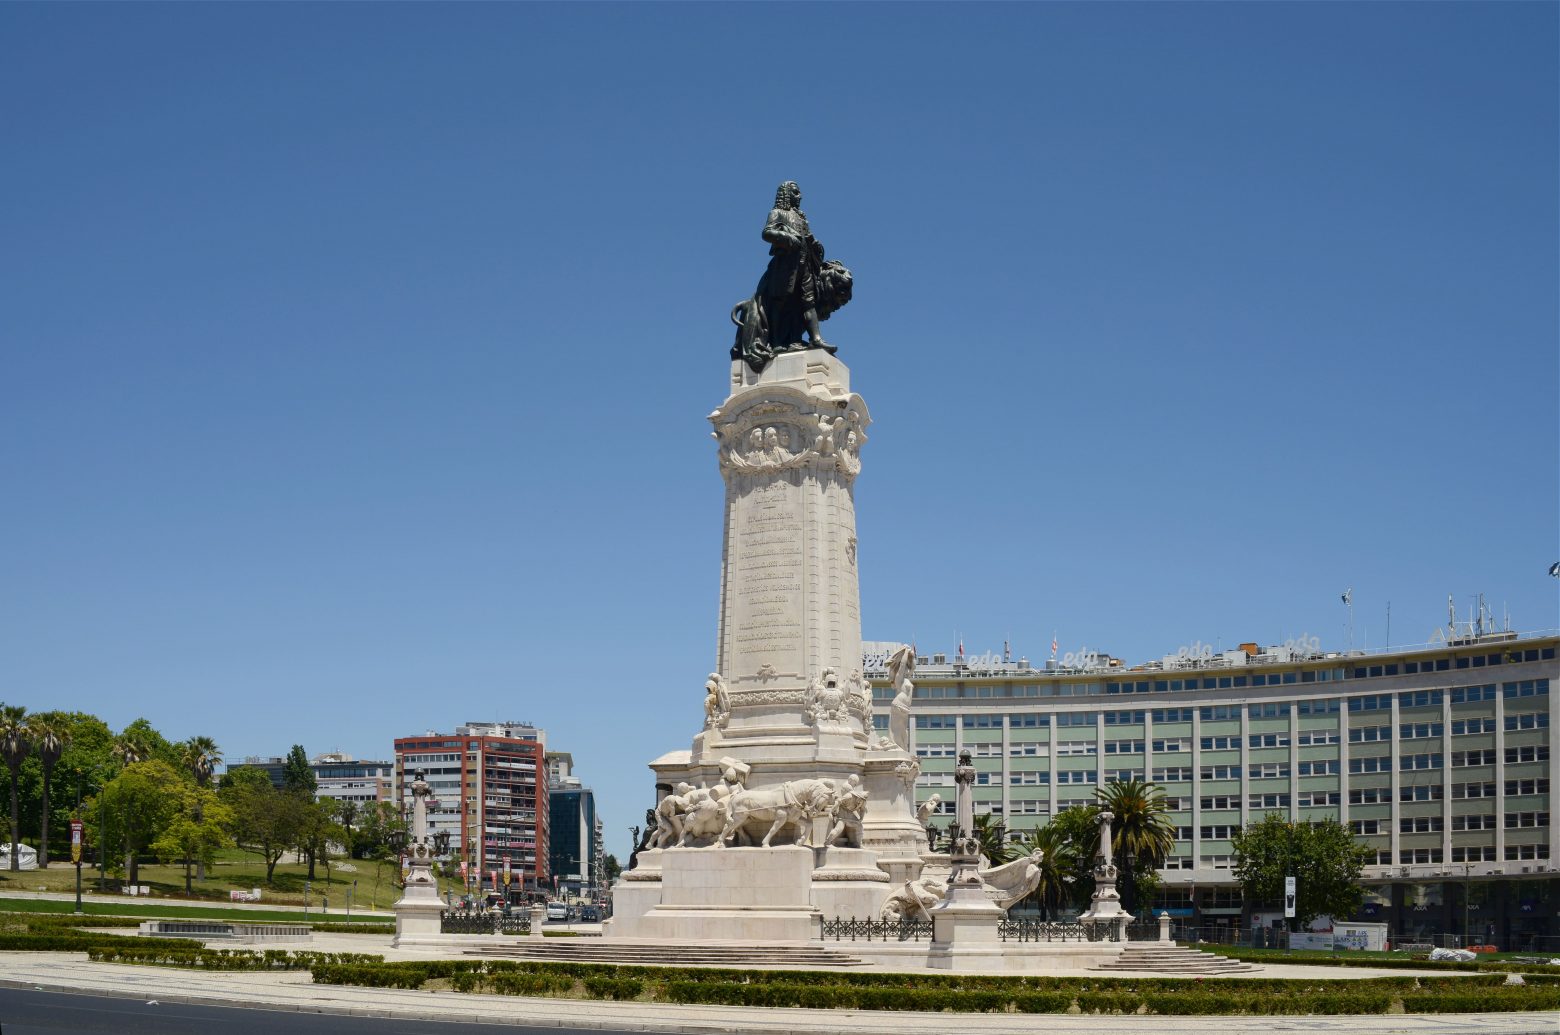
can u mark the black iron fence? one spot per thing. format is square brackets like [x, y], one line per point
[477, 921]
[1025, 930]
[850, 929]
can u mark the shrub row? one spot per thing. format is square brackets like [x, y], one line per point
[74, 941]
[363, 928]
[161, 954]
[979, 993]
[1327, 959]
[45, 923]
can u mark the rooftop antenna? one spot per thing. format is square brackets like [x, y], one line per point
[1451, 618]
[1348, 601]
[1388, 644]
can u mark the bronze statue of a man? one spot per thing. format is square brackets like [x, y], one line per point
[798, 290]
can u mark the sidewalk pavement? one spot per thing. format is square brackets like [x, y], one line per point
[71, 972]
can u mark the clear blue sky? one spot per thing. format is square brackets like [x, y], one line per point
[356, 358]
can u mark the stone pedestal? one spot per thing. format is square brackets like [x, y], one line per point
[728, 894]
[538, 918]
[964, 929]
[417, 913]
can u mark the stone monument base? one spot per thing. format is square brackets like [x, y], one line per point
[417, 915]
[723, 894]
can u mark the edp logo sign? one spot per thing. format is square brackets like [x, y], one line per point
[1084, 659]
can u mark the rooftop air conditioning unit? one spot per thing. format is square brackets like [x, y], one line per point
[1404, 871]
[1527, 869]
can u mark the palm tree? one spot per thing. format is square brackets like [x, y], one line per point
[15, 745]
[991, 834]
[1143, 833]
[201, 757]
[128, 749]
[49, 737]
[1057, 866]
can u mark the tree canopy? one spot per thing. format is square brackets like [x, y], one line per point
[1325, 859]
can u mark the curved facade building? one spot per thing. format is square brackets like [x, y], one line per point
[1440, 758]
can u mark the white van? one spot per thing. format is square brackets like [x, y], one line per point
[557, 911]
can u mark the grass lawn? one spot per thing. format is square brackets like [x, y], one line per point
[371, 884]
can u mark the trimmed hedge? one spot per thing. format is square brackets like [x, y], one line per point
[964, 993]
[161, 953]
[363, 928]
[1310, 957]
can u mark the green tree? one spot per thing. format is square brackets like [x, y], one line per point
[137, 806]
[49, 737]
[298, 775]
[316, 830]
[611, 869]
[198, 829]
[1323, 857]
[1058, 867]
[15, 746]
[1141, 835]
[1076, 827]
[265, 820]
[343, 813]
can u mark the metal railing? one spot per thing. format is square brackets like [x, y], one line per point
[1054, 931]
[851, 929]
[481, 922]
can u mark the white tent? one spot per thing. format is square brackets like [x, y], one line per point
[28, 856]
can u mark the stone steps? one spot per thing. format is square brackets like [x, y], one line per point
[1169, 958]
[673, 954]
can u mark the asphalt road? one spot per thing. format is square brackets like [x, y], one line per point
[25, 1012]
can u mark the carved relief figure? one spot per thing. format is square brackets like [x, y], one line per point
[826, 698]
[1012, 881]
[668, 816]
[901, 667]
[913, 899]
[789, 803]
[717, 703]
[850, 801]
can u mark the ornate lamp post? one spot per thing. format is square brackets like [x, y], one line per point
[417, 912]
[964, 923]
[1105, 907]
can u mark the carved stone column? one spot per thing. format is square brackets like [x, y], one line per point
[788, 442]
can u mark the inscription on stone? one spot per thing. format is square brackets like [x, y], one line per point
[767, 577]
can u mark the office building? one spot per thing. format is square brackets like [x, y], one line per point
[573, 849]
[490, 783]
[1439, 757]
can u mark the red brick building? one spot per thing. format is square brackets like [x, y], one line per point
[490, 782]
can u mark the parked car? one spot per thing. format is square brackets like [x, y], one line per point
[590, 915]
[557, 911]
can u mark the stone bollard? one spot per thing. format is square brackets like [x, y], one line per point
[1164, 926]
[538, 918]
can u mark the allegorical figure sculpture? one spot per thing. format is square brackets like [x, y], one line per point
[796, 292]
